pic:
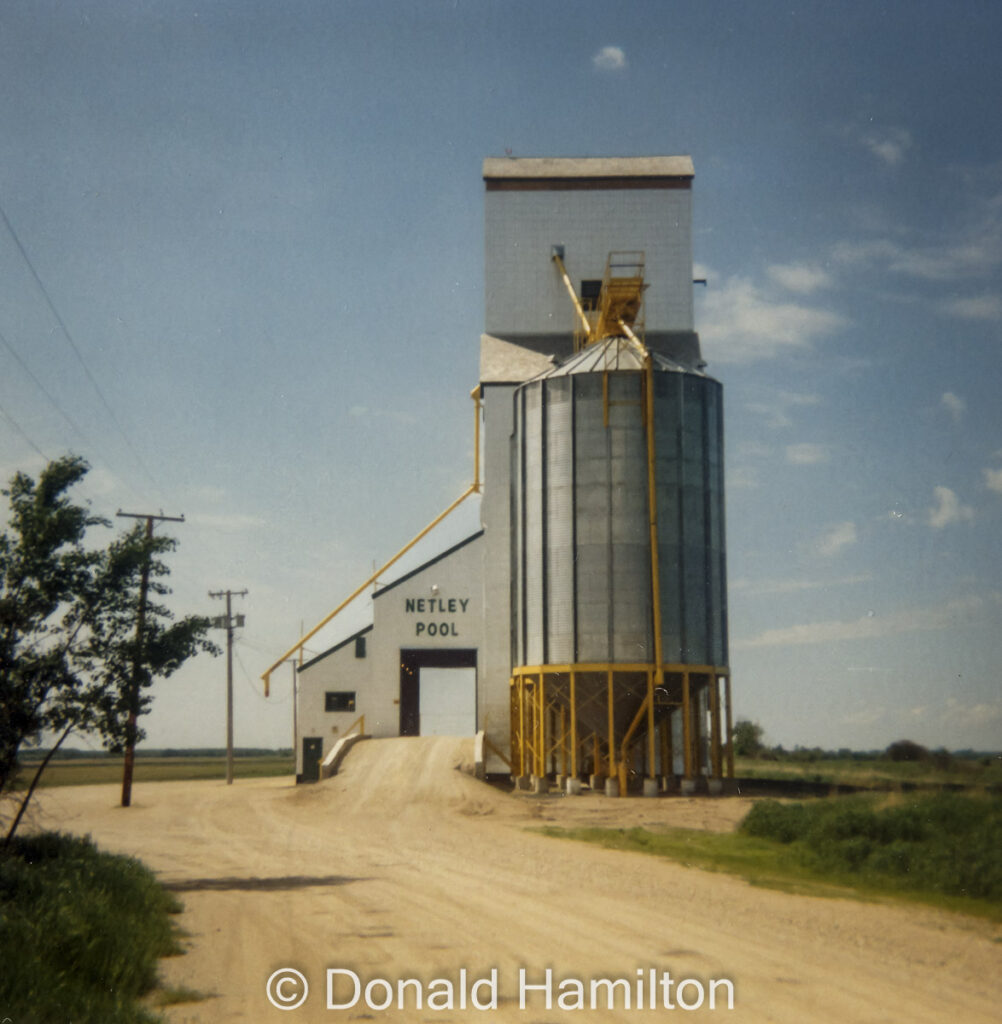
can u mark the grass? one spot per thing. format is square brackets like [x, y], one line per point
[874, 773]
[942, 849]
[95, 770]
[174, 995]
[82, 933]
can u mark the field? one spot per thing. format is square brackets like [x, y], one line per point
[404, 867]
[89, 771]
[880, 773]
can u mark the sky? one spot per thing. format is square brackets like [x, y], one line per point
[241, 273]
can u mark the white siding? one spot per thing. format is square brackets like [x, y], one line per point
[341, 671]
[524, 294]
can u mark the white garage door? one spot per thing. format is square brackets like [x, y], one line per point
[448, 701]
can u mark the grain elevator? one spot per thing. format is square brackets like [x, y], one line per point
[594, 626]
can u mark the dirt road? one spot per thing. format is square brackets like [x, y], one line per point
[403, 867]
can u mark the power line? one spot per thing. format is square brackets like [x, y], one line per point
[76, 350]
[41, 387]
[17, 426]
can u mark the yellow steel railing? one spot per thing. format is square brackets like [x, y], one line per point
[546, 708]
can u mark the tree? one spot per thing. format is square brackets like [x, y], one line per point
[747, 738]
[46, 589]
[134, 639]
[68, 623]
[906, 750]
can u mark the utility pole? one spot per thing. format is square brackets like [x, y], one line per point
[228, 624]
[137, 665]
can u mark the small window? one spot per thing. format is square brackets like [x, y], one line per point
[339, 700]
[360, 647]
[590, 291]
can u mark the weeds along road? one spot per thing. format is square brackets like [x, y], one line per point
[404, 867]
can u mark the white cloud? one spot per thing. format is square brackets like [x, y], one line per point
[742, 478]
[742, 323]
[806, 454]
[993, 480]
[954, 405]
[610, 58]
[911, 620]
[888, 144]
[837, 537]
[776, 410]
[972, 253]
[802, 278]
[987, 306]
[747, 586]
[948, 509]
[228, 523]
[746, 449]
[953, 713]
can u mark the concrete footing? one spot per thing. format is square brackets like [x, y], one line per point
[596, 782]
[612, 787]
[573, 786]
[687, 787]
[651, 787]
[540, 784]
[523, 782]
[714, 786]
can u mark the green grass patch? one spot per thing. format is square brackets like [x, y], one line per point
[174, 995]
[81, 933]
[94, 771]
[944, 849]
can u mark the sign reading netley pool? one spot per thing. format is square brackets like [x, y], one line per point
[433, 612]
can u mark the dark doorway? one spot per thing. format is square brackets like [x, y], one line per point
[313, 748]
[411, 663]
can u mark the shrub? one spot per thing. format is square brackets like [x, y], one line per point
[769, 819]
[907, 750]
[947, 843]
[82, 932]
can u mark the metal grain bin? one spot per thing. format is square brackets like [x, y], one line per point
[581, 576]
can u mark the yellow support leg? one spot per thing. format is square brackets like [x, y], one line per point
[574, 728]
[650, 726]
[716, 766]
[730, 727]
[687, 750]
[612, 727]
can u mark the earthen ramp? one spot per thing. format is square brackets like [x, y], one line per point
[411, 774]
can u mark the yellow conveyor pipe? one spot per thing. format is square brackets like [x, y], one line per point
[474, 488]
[573, 294]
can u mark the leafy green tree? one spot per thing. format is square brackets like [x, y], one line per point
[128, 650]
[47, 588]
[747, 738]
[71, 656]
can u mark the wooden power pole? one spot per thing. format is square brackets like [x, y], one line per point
[228, 624]
[137, 665]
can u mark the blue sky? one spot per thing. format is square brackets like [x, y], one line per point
[262, 225]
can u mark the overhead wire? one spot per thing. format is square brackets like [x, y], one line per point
[76, 349]
[41, 387]
[20, 430]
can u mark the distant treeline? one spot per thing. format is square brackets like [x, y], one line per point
[75, 754]
[903, 750]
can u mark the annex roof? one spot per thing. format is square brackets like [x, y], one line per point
[588, 167]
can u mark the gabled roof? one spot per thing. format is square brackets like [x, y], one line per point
[337, 647]
[428, 564]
